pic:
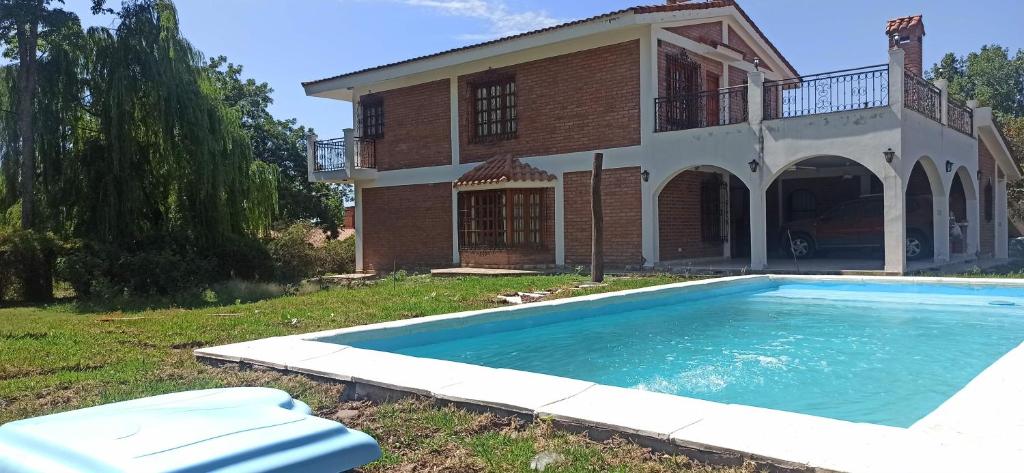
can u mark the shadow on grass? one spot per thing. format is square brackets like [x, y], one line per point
[220, 294]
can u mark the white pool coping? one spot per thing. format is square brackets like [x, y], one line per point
[980, 428]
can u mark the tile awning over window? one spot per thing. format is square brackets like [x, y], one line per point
[503, 170]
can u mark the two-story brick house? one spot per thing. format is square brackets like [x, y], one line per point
[715, 148]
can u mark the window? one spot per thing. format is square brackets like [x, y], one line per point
[510, 218]
[494, 109]
[990, 202]
[682, 82]
[371, 117]
[714, 219]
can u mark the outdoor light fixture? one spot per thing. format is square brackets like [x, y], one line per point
[645, 175]
[949, 166]
[757, 63]
[889, 155]
[979, 175]
[753, 165]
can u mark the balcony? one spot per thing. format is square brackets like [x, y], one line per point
[701, 110]
[922, 96]
[342, 155]
[960, 117]
[849, 89]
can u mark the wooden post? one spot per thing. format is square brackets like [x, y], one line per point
[597, 222]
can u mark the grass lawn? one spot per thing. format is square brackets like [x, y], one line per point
[61, 357]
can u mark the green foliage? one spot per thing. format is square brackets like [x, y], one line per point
[338, 256]
[295, 258]
[26, 265]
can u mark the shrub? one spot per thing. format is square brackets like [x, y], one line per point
[295, 258]
[27, 261]
[338, 256]
[242, 258]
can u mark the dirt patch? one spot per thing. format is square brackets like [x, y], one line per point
[10, 372]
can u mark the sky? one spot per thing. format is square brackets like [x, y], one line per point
[286, 42]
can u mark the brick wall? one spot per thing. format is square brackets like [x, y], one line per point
[987, 165]
[736, 42]
[707, 33]
[417, 127]
[706, 65]
[737, 76]
[622, 217]
[410, 226]
[520, 258]
[582, 101]
[679, 225]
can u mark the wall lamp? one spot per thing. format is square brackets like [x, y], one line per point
[757, 63]
[980, 175]
[889, 155]
[645, 175]
[753, 165]
[949, 166]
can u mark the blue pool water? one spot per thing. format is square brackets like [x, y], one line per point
[881, 353]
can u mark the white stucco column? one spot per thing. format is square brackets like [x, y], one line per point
[758, 228]
[648, 222]
[1002, 220]
[560, 221]
[310, 156]
[357, 193]
[896, 71]
[943, 86]
[895, 223]
[974, 223]
[940, 225]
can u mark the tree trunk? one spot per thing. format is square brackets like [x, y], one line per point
[28, 36]
[597, 217]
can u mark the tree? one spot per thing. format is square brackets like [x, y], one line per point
[281, 143]
[24, 23]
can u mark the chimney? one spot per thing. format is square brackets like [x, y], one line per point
[907, 33]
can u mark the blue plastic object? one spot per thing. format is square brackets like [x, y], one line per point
[232, 430]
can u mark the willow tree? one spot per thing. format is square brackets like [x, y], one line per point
[135, 139]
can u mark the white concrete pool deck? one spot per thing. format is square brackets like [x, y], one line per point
[980, 428]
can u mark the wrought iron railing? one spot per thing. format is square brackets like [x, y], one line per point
[330, 155]
[849, 89]
[960, 116]
[366, 153]
[922, 96]
[719, 107]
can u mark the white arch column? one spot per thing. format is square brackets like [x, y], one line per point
[758, 229]
[894, 211]
[940, 225]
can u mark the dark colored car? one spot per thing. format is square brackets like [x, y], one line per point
[858, 224]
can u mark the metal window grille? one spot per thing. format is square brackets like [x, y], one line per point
[371, 117]
[494, 110]
[498, 219]
[714, 215]
[990, 202]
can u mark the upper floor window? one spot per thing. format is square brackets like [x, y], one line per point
[990, 202]
[494, 109]
[371, 117]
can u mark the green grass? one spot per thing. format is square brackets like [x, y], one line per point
[64, 356]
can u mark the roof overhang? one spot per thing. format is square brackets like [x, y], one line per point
[342, 87]
[988, 133]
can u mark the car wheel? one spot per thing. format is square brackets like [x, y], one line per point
[800, 245]
[917, 245]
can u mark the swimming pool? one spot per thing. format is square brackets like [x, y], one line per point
[869, 351]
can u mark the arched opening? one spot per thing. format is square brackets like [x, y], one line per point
[703, 214]
[920, 212]
[826, 207]
[959, 225]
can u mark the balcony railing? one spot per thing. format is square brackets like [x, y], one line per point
[701, 110]
[330, 154]
[960, 117]
[850, 89]
[922, 96]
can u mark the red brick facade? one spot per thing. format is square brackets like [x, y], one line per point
[737, 43]
[707, 33]
[679, 225]
[417, 127]
[706, 65]
[582, 101]
[622, 217]
[407, 226]
[520, 258]
[987, 165]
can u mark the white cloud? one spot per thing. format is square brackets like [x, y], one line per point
[500, 19]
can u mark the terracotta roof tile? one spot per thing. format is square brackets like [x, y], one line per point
[897, 25]
[502, 169]
[641, 9]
